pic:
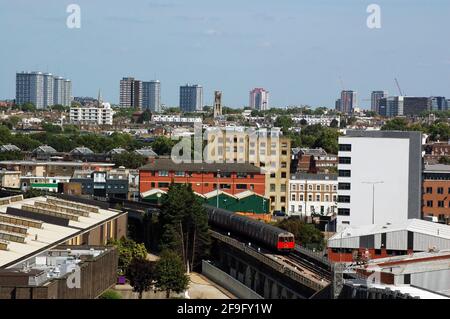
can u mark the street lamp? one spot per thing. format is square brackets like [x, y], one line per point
[218, 187]
[373, 197]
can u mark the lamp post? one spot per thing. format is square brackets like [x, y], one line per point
[373, 197]
[218, 187]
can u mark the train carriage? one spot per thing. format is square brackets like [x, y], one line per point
[268, 235]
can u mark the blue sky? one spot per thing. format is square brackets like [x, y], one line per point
[296, 49]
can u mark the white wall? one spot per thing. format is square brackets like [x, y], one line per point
[374, 160]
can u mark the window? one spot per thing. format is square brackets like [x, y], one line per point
[344, 186]
[283, 187]
[441, 204]
[327, 198]
[179, 173]
[310, 197]
[317, 198]
[302, 187]
[272, 187]
[163, 173]
[429, 190]
[440, 190]
[241, 175]
[345, 147]
[241, 186]
[310, 187]
[283, 199]
[163, 185]
[343, 199]
[300, 208]
[429, 203]
[344, 173]
[318, 187]
[345, 160]
[283, 175]
[301, 197]
[272, 175]
[293, 197]
[225, 186]
[344, 211]
[293, 187]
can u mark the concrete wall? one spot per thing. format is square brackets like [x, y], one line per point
[228, 282]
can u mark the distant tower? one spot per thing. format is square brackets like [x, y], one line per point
[217, 104]
[99, 99]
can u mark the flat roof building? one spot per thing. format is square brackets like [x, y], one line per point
[379, 177]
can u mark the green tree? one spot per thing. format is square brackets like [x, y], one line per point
[51, 128]
[305, 234]
[162, 145]
[396, 124]
[110, 294]
[334, 123]
[140, 273]
[11, 156]
[128, 250]
[129, 160]
[170, 274]
[439, 131]
[28, 107]
[184, 225]
[284, 122]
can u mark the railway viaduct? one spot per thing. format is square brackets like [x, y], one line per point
[268, 277]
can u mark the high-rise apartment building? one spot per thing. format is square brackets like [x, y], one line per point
[438, 103]
[379, 177]
[376, 96]
[151, 95]
[191, 98]
[348, 102]
[391, 106]
[259, 99]
[266, 149]
[42, 89]
[130, 92]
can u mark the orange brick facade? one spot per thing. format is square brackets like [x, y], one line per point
[436, 199]
[203, 182]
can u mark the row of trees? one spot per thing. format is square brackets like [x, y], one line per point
[439, 130]
[167, 274]
[310, 136]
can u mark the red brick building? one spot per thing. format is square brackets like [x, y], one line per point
[436, 193]
[233, 178]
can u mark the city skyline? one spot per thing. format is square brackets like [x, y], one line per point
[294, 49]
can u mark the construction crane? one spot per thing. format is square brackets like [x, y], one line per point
[398, 86]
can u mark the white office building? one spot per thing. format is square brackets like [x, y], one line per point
[379, 177]
[93, 115]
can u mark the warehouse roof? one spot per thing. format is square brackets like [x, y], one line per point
[168, 164]
[437, 168]
[58, 221]
[413, 225]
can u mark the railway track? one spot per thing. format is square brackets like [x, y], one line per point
[312, 267]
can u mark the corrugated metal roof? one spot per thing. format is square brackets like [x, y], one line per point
[413, 225]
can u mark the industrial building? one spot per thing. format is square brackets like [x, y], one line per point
[65, 272]
[387, 240]
[31, 226]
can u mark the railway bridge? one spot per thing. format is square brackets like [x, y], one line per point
[271, 276]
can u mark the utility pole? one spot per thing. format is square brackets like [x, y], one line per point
[373, 197]
[218, 187]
